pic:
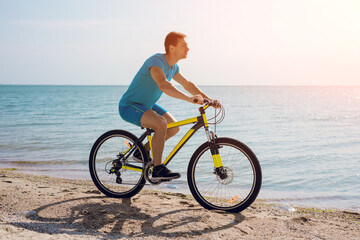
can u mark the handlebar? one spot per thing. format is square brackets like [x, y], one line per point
[205, 100]
[216, 105]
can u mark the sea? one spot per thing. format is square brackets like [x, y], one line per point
[307, 138]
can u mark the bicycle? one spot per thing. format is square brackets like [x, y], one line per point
[223, 173]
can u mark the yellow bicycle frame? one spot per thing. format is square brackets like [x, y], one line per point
[199, 122]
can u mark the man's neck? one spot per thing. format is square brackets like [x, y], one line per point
[171, 60]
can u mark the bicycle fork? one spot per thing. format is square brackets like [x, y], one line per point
[214, 149]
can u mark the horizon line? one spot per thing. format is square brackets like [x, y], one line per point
[215, 85]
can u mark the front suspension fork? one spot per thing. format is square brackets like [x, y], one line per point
[214, 149]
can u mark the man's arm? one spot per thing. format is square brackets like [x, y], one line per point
[188, 85]
[165, 86]
[193, 89]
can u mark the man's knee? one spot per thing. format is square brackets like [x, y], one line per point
[161, 125]
[152, 120]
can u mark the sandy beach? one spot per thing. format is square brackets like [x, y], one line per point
[41, 207]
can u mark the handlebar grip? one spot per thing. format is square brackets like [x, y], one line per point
[206, 100]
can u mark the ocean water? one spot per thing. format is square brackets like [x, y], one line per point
[307, 139]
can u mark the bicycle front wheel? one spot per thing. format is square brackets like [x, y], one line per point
[112, 168]
[238, 184]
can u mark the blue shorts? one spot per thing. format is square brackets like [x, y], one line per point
[134, 112]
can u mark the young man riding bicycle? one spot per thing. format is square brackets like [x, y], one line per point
[138, 104]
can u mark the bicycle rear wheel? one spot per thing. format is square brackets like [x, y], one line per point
[240, 183]
[112, 168]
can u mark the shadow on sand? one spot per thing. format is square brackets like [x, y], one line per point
[93, 216]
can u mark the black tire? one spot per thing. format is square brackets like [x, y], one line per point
[106, 155]
[238, 189]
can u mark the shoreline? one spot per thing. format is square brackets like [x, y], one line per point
[44, 207]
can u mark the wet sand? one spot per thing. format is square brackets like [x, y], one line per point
[40, 207]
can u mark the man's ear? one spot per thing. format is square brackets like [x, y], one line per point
[171, 48]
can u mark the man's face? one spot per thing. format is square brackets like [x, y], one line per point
[181, 49]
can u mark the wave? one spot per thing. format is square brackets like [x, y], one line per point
[33, 124]
[349, 202]
[51, 162]
[318, 198]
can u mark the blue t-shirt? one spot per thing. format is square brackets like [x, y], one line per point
[143, 89]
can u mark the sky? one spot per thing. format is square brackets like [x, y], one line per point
[85, 42]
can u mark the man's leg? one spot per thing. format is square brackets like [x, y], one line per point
[170, 132]
[151, 119]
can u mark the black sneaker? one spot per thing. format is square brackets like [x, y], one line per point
[137, 156]
[163, 173]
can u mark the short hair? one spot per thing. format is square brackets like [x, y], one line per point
[172, 39]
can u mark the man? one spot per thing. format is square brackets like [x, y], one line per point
[138, 104]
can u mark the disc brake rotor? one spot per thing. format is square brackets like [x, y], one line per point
[228, 179]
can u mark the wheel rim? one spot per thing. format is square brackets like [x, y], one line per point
[109, 150]
[232, 191]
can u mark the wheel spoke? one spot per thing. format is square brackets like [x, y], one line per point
[231, 193]
[108, 153]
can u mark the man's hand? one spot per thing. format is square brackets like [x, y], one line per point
[215, 103]
[197, 99]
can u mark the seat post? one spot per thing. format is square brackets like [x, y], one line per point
[148, 133]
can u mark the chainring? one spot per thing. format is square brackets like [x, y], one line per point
[148, 173]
